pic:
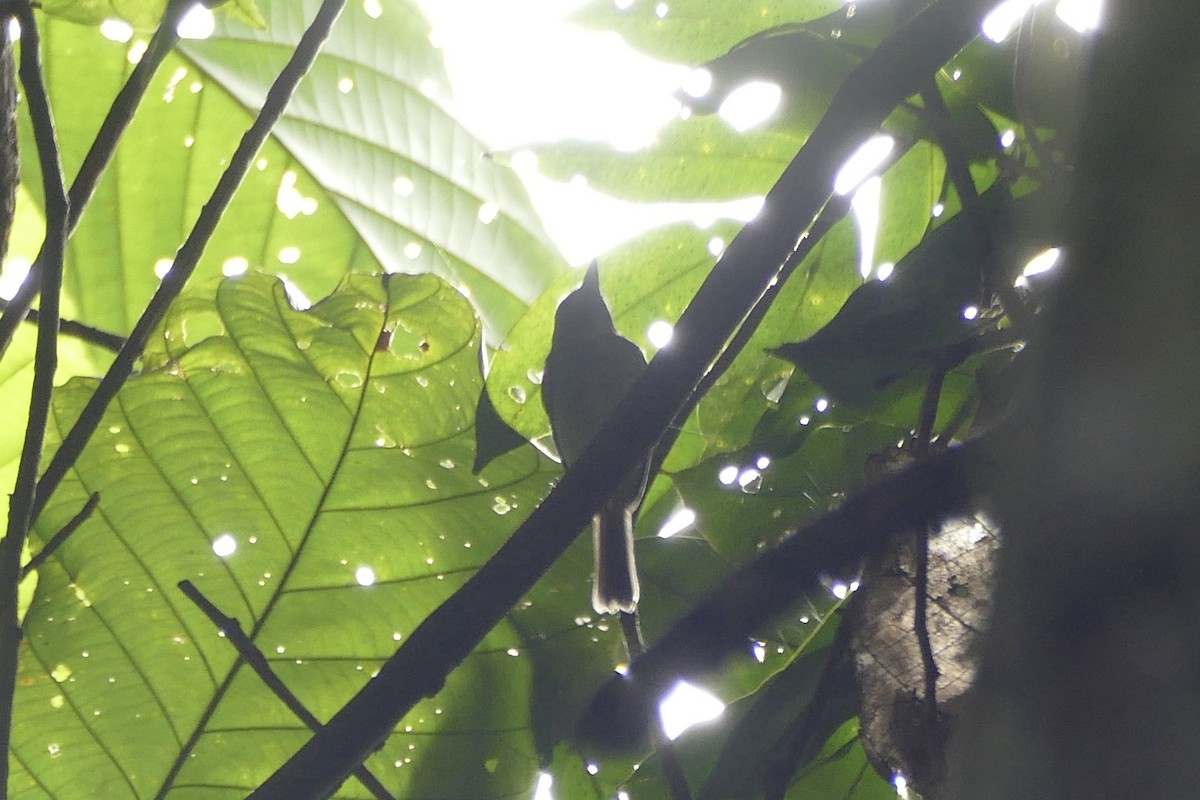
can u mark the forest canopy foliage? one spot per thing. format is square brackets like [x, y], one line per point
[295, 414]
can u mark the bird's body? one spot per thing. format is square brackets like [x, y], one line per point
[588, 371]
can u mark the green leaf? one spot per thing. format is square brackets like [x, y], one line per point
[841, 772]
[367, 170]
[696, 31]
[319, 445]
[694, 160]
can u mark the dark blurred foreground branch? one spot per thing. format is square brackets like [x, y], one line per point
[836, 544]
[1090, 679]
[895, 70]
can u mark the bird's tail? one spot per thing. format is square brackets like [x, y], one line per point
[615, 586]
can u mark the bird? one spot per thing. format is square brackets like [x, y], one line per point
[589, 369]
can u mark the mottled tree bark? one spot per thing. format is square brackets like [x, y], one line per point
[9, 164]
[1090, 686]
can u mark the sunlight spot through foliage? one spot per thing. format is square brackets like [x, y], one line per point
[677, 523]
[860, 166]
[197, 23]
[224, 545]
[750, 104]
[687, 705]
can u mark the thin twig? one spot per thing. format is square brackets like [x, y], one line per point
[98, 156]
[57, 539]
[231, 629]
[191, 250]
[998, 281]
[20, 514]
[87, 333]
[668, 758]
[830, 215]
[921, 621]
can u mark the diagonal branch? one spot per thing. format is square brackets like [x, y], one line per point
[98, 157]
[838, 542]
[190, 251]
[231, 629]
[895, 70]
[86, 333]
[20, 512]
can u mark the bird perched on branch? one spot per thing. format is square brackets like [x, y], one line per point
[588, 371]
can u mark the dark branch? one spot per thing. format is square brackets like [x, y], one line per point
[231, 629]
[998, 280]
[57, 539]
[109, 341]
[895, 70]
[837, 543]
[190, 251]
[97, 158]
[23, 500]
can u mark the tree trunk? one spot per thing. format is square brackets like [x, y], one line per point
[1090, 683]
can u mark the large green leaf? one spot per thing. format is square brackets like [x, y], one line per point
[696, 31]
[367, 169]
[320, 442]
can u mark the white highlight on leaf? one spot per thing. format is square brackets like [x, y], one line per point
[488, 212]
[821, 405]
[750, 104]
[759, 651]
[364, 576]
[660, 333]
[224, 545]
[289, 255]
[116, 30]
[970, 312]
[687, 705]
[403, 186]
[197, 23]
[541, 791]
[373, 8]
[728, 475]
[863, 164]
[1008, 138]
[885, 271]
[232, 267]
[677, 523]
[136, 51]
[1042, 262]
[866, 206]
[661, 10]
[290, 201]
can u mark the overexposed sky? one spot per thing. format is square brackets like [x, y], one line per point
[523, 74]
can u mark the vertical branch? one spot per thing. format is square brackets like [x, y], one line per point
[97, 158]
[190, 251]
[20, 513]
[998, 281]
